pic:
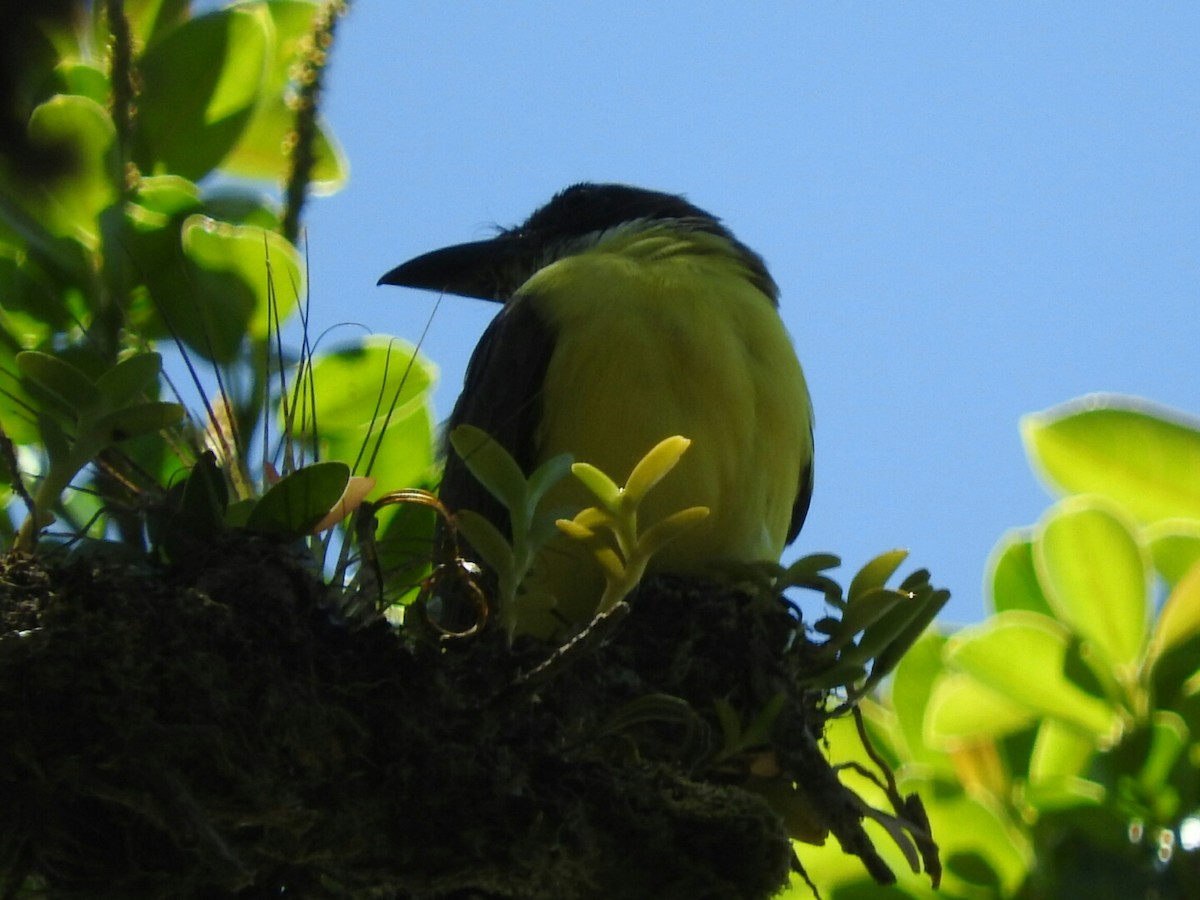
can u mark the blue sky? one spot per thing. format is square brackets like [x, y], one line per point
[974, 211]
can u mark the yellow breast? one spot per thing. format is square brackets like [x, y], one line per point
[658, 335]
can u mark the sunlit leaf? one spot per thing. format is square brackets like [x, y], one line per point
[1169, 738]
[910, 693]
[1146, 457]
[1179, 619]
[1011, 576]
[1096, 575]
[1174, 546]
[1059, 751]
[654, 467]
[354, 388]
[201, 82]
[1063, 792]
[230, 297]
[300, 499]
[69, 205]
[149, 17]
[76, 77]
[601, 486]
[260, 151]
[1023, 655]
[962, 708]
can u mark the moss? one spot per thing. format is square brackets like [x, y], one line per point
[219, 731]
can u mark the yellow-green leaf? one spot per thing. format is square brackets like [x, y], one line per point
[1096, 575]
[962, 708]
[1022, 655]
[1174, 546]
[201, 82]
[1179, 619]
[1011, 576]
[1145, 457]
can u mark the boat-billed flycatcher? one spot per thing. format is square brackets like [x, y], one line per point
[629, 316]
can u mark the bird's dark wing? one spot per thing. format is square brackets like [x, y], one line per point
[803, 499]
[502, 394]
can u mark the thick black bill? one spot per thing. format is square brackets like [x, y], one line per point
[476, 269]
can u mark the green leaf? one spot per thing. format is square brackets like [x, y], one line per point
[1143, 456]
[299, 500]
[132, 421]
[961, 708]
[69, 206]
[1174, 546]
[199, 516]
[33, 309]
[910, 693]
[354, 388]
[875, 573]
[259, 152]
[1096, 575]
[1063, 792]
[901, 628]
[128, 378]
[1059, 751]
[75, 77]
[147, 18]
[601, 486]
[1169, 738]
[1179, 619]
[487, 540]
[547, 475]
[867, 608]
[201, 84]
[1039, 683]
[1012, 576]
[60, 378]
[491, 465]
[234, 268]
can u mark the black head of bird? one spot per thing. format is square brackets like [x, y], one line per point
[629, 316]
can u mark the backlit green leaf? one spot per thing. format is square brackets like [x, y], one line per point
[1096, 575]
[1011, 575]
[354, 389]
[230, 291]
[69, 205]
[1174, 546]
[260, 151]
[875, 573]
[1059, 751]
[1146, 457]
[1022, 655]
[201, 84]
[1179, 619]
[961, 708]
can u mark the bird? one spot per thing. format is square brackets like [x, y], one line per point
[627, 316]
